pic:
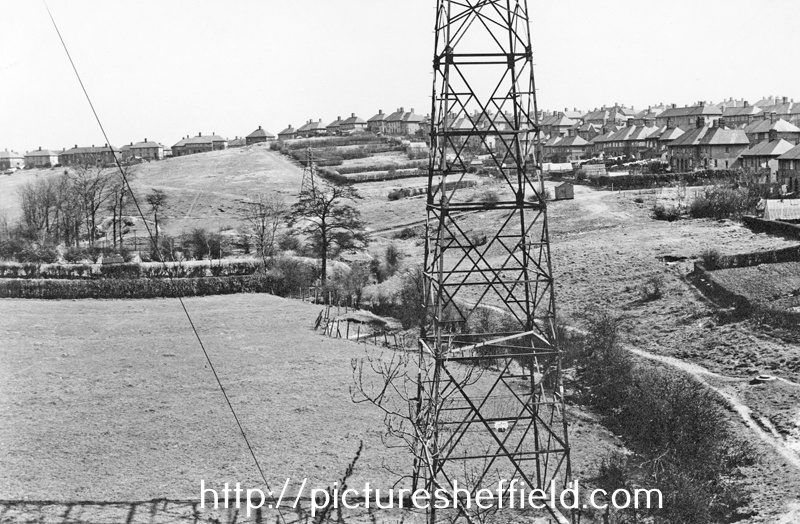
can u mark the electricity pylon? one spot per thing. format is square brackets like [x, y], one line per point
[489, 402]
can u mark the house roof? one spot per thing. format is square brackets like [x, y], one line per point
[258, 133]
[89, 150]
[200, 139]
[602, 138]
[767, 148]
[741, 111]
[40, 152]
[572, 141]
[336, 123]
[10, 154]
[237, 142]
[671, 133]
[792, 154]
[766, 125]
[720, 136]
[553, 141]
[380, 116]
[632, 133]
[144, 145]
[562, 121]
[674, 112]
[180, 143]
[288, 131]
[353, 119]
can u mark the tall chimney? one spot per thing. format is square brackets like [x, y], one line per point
[352, 115]
[701, 121]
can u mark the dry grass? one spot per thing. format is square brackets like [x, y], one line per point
[114, 400]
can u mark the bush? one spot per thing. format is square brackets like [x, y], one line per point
[289, 274]
[664, 212]
[392, 258]
[406, 233]
[652, 289]
[711, 258]
[722, 202]
[203, 244]
[489, 197]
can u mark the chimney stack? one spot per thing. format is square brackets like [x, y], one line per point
[701, 122]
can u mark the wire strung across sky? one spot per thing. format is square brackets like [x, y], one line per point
[167, 269]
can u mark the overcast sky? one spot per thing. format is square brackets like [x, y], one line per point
[164, 69]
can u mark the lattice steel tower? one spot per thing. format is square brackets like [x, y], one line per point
[490, 398]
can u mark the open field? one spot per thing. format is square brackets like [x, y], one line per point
[113, 400]
[764, 283]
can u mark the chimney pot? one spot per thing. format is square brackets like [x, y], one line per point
[402, 109]
[199, 134]
[40, 148]
[352, 115]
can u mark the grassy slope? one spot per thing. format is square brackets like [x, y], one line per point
[133, 411]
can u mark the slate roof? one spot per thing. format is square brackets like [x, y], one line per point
[208, 139]
[767, 148]
[572, 141]
[671, 133]
[39, 152]
[10, 154]
[258, 133]
[766, 125]
[379, 117]
[88, 150]
[741, 111]
[353, 119]
[144, 145]
[792, 154]
[288, 131]
[674, 112]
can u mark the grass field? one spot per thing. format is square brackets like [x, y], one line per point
[763, 283]
[113, 400]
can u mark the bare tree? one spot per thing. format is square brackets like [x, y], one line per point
[265, 215]
[120, 194]
[94, 187]
[332, 224]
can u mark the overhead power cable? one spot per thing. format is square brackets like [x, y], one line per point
[166, 268]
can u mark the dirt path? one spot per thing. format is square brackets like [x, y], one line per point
[705, 377]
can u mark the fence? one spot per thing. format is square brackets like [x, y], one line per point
[351, 330]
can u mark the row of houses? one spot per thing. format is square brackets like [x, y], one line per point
[145, 150]
[399, 123]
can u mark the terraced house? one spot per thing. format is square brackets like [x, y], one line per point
[705, 147]
[104, 155]
[686, 117]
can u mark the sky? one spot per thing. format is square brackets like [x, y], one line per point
[162, 70]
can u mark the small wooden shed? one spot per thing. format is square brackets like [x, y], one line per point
[565, 191]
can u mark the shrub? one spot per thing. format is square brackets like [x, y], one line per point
[392, 258]
[664, 212]
[289, 274]
[711, 258]
[204, 244]
[490, 197]
[722, 202]
[290, 242]
[406, 233]
[652, 288]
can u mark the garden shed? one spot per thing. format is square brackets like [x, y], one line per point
[565, 191]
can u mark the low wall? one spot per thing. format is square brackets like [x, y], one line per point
[773, 227]
[722, 296]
